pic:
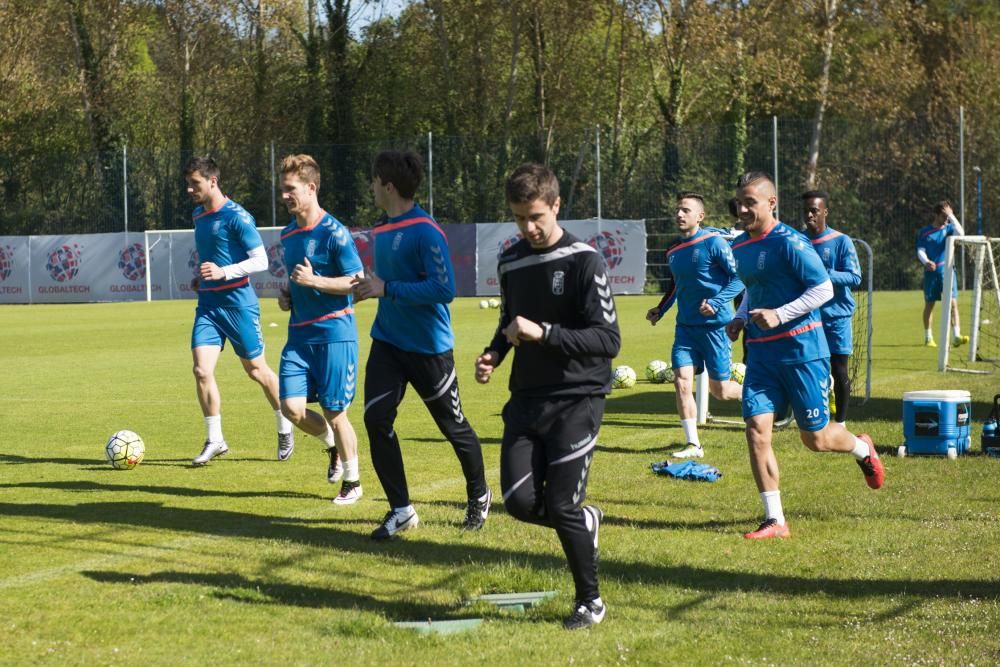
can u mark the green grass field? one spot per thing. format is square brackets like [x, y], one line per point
[246, 561]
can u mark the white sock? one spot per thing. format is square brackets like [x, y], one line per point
[690, 427]
[844, 424]
[351, 473]
[598, 601]
[861, 449]
[214, 426]
[956, 331]
[284, 426]
[928, 335]
[772, 506]
[328, 438]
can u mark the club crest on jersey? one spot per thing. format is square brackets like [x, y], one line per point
[558, 282]
[215, 226]
[695, 255]
[311, 247]
[761, 259]
[826, 254]
[396, 240]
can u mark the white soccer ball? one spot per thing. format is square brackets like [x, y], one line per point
[125, 450]
[494, 303]
[656, 371]
[737, 372]
[623, 377]
[484, 304]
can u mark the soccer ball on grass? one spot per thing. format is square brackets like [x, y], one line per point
[623, 377]
[125, 450]
[657, 371]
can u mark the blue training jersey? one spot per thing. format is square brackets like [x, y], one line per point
[934, 241]
[838, 255]
[225, 236]
[411, 256]
[318, 317]
[703, 268]
[777, 268]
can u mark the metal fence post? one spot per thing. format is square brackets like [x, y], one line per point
[430, 172]
[274, 188]
[125, 184]
[774, 140]
[597, 132]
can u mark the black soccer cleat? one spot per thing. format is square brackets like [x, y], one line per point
[585, 614]
[477, 511]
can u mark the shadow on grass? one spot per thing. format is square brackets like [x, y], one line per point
[420, 552]
[161, 490]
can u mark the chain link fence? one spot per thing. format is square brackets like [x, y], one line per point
[883, 180]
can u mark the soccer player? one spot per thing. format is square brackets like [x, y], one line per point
[230, 249]
[932, 241]
[558, 313]
[412, 342]
[705, 281]
[320, 359]
[789, 359]
[838, 255]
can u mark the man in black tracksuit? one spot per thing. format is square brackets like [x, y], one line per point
[558, 312]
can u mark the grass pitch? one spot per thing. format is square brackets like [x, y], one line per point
[246, 561]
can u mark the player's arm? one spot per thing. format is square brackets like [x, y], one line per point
[304, 275]
[498, 348]
[252, 243]
[808, 268]
[922, 257]
[599, 336]
[438, 285]
[847, 269]
[724, 258]
[344, 261]
[656, 313]
[956, 226]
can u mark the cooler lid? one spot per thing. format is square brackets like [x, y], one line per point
[938, 395]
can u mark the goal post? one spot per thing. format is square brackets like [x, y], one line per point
[982, 317]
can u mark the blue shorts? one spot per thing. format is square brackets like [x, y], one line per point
[322, 372]
[213, 326]
[701, 347]
[934, 285]
[769, 389]
[839, 335]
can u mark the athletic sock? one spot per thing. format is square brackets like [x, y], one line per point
[284, 426]
[351, 473]
[214, 426]
[690, 427]
[772, 506]
[844, 424]
[328, 438]
[861, 449]
[928, 336]
[956, 332]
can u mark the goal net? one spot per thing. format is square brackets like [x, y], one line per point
[979, 313]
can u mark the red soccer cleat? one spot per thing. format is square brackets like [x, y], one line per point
[768, 529]
[871, 465]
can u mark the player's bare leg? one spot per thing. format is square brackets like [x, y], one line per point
[835, 438]
[346, 440]
[205, 359]
[725, 390]
[928, 334]
[765, 473]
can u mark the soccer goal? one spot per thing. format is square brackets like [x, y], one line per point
[860, 365]
[980, 314]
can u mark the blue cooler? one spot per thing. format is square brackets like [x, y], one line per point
[937, 422]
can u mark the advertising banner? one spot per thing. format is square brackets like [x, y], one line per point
[15, 262]
[622, 243]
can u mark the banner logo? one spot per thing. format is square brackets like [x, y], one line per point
[276, 261]
[132, 262]
[64, 262]
[506, 244]
[611, 245]
[6, 262]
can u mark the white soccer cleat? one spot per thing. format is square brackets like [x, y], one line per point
[690, 452]
[286, 445]
[210, 451]
[350, 493]
[396, 521]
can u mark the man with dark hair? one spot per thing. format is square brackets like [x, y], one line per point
[230, 249]
[705, 281]
[412, 342]
[789, 359]
[320, 360]
[932, 242]
[558, 312]
[838, 255]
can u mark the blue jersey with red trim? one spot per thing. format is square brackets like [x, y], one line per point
[411, 256]
[318, 317]
[838, 255]
[934, 241]
[703, 269]
[225, 236]
[777, 268]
